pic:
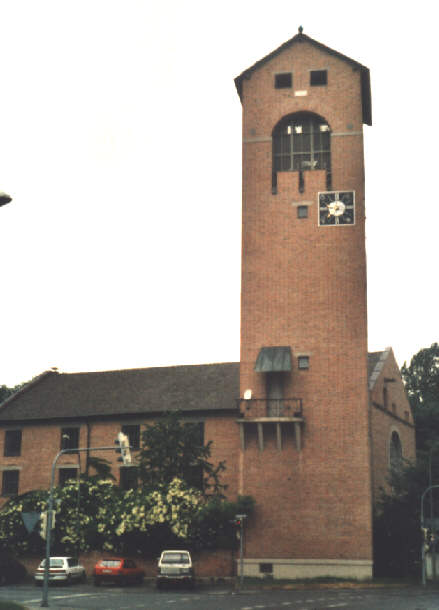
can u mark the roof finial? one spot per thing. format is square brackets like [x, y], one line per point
[300, 29]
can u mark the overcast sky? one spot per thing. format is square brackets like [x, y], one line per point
[120, 132]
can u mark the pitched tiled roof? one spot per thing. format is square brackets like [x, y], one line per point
[131, 392]
[300, 37]
[375, 363]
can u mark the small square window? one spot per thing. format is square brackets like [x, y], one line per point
[283, 80]
[69, 438]
[133, 433]
[65, 474]
[10, 482]
[266, 568]
[12, 443]
[302, 211]
[318, 78]
[129, 477]
[303, 362]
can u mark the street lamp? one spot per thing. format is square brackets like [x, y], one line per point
[4, 198]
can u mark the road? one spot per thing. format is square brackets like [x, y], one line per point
[87, 597]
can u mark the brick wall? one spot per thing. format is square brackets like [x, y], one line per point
[389, 414]
[304, 286]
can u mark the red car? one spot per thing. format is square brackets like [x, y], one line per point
[117, 569]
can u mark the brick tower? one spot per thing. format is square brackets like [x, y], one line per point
[305, 451]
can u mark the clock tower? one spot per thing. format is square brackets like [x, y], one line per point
[304, 428]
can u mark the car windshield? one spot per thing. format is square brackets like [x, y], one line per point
[175, 558]
[110, 563]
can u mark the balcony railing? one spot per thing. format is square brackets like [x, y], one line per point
[270, 407]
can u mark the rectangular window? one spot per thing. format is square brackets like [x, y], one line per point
[302, 211]
[10, 482]
[283, 80]
[12, 443]
[266, 568]
[318, 78]
[133, 433]
[129, 477]
[303, 362]
[194, 474]
[65, 474]
[69, 438]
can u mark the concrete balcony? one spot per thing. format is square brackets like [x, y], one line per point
[277, 412]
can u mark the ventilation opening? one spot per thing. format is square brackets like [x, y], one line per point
[318, 78]
[283, 81]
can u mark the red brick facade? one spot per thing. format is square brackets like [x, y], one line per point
[315, 463]
[304, 286]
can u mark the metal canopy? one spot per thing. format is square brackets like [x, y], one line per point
[273, 360]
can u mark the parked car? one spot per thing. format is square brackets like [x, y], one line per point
[61, 569]
[117, 569]
[175, 567]
[11, 570]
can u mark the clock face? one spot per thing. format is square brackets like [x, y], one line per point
[337, 208]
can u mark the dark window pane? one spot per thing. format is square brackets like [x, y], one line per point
[318, 78]
[133, 433]
[10, 482]
[69, 438]
[12, 443]
[283, 81]
[129, 477]
[65, 474]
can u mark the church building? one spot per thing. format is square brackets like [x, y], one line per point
[308, 422]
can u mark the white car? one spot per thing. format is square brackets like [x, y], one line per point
[175, 567]
[61, 569]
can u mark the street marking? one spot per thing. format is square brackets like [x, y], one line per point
[337, 605]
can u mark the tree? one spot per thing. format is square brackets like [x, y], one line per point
[5, 391]
[172, 449]
[421, 380]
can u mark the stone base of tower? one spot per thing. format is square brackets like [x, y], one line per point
[358, 569]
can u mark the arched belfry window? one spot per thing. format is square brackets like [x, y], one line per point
[301, 142]
[395, 451]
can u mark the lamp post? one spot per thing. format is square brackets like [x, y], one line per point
[4, 198]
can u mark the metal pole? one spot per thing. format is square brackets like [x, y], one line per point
[241, 548]
[45, 600]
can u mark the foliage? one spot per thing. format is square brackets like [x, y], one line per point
[99, 515]
[101, 467]
[421, 380]
[5, 391]
[165, 511]
[174, 449]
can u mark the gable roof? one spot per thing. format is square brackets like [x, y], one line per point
[127, 393]
[375, 364]
[300, 38]
[130, 392]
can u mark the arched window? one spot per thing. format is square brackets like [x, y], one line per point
[301, 141]
[395, 451]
